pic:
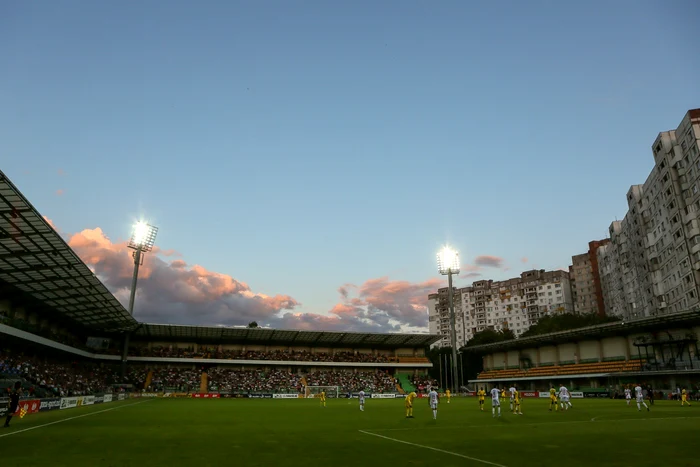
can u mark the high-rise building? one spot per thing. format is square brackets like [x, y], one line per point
[514, 304]
[652, 264]
[585, 280]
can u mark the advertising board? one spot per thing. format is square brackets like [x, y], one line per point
[68, 402]
[50, 404]
[285, 396]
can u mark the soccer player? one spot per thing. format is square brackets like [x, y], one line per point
[323, 398]
[448, 395]
[564, 397]
[516, 403]
[434, 400]
[13, 403]
[361, 396]
[495, 402]
[503, 393]
[684, 398]
[553, 399]
[628, 395]
[409, 404]
[640, 398]
[482, 395]
[512, 392]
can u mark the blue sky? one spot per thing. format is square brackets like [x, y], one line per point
[299, 146]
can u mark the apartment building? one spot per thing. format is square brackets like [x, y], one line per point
[514, 304]
[652, 264]
[584, 275]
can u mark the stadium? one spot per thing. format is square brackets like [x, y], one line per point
[87, 402]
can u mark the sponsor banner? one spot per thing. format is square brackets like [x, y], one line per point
[99, 399]
[49, 404]
[150, 394]
[383, 396]
[88, 400]
[68, 402]
[3, 410]
[402, 396]
[529, 394]
[210, 396]
[31, 406]
[470, 393]
[285, 396]
[121, 397]
[107, 398]
[544, 395]
[577, 395]
[600, 395]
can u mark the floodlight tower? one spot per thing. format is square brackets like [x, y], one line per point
[142, 240]
[448, 264]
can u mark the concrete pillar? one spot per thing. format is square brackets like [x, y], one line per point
[601, 357]
[577, 353]
[537, 357]
[556, 355]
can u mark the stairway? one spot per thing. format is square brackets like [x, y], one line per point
[203, 389]
[405, 382]
[400, 389]
[149, 377]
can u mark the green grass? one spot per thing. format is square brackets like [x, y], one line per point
[210, 432]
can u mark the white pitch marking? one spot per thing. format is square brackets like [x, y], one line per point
[433, 449]
[532, 424]
[70, 418]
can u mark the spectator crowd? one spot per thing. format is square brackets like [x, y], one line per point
[354, 381]
[274, 355]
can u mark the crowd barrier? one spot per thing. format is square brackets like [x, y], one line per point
[32, 406]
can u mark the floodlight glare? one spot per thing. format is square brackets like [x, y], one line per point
[143, 237]
[448, 261]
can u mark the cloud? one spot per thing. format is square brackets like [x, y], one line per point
[61, 172]
[470, 274]
[489, 261]
[50, 222]
[60, 192]
[524, 259]
[174, 291]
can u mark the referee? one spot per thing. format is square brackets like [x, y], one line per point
[14, 403]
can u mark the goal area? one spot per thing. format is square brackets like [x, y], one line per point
[314, 391]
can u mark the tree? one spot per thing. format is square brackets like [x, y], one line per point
[566, 321]
[253, 324]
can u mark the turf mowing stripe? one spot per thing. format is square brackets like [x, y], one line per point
[593, 420]
[433, 449]
[70, 418]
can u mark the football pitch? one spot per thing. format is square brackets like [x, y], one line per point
[299, 433]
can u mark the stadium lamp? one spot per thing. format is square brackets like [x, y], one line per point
[448, 264]
[143, 237]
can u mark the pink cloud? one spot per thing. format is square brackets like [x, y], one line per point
[470, 274]
[524, 259]
[50, 222]
[60, 192]
[173, 291]
[489, 261]
[61, 172]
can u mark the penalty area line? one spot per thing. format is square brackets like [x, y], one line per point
[70, 418]
[432, 449]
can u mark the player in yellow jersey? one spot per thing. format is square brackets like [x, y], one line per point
[409, 404]
[323, 398]
[482, 396]
[517, 410]
[448, 394]
[503, 395]
[553, 400]
[684, 398]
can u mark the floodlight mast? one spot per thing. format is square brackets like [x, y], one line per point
[142, 240]
[448, 264]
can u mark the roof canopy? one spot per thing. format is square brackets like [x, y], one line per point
[37, 261]
[266, 336]
[620, 328]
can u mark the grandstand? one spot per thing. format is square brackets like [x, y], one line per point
[662, 351]
[56, 317]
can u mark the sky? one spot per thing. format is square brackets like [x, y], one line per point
[305, 160]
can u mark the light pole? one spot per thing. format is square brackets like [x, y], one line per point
[142, 240]
[448, 264]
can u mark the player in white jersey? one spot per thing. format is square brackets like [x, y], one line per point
[434, 400]
[512, 397]
[639, 392]
[564, 397]
[628, 395]
[495, 401]
[361, 396]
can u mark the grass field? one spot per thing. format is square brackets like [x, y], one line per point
[254, 432]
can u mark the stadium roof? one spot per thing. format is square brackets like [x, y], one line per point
[37, 261]
[264, 336]
[618, 328]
